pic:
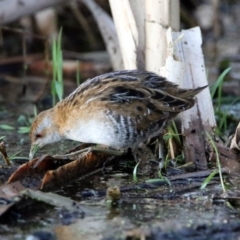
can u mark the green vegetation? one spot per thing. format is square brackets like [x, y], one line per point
[135, 172]
[22, 120]
[220, 115]
[57, 88]
[2, 137]
[172, 139]
[6, 127]
[216, 90]
[218, 164]
[26, 124]
[208, 179]
[15, 156]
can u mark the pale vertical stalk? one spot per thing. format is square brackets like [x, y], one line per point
[138, 11]
[189, 51]
[108, 31]
[158, 19]
[173, 69]
[201, 117]
[160, 15]
[126, 30]
[174, 9]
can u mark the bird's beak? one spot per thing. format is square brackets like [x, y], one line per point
[33, 150]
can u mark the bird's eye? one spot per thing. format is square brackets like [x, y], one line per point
[38, 136]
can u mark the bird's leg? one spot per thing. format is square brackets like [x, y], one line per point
[79, 153]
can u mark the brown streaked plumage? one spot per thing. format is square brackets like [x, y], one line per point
[119, 109]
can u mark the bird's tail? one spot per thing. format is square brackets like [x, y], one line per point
[190, 93]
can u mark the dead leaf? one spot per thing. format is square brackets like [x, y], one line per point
[31, 173]
[37, 168]
[73, 170]
[48, 172]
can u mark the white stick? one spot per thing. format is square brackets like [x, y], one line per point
[190, 52]
[159, 16]
[126, 30]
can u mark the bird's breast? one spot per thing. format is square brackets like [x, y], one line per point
[105, 129]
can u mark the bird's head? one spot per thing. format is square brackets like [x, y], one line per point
[43, 131]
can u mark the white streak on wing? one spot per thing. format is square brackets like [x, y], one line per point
[113, 119]
[91, 99]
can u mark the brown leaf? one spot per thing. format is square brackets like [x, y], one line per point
[36, 168]
[31, 173]
[73, 170]
[49, 172]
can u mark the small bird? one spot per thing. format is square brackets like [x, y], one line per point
[120, 109]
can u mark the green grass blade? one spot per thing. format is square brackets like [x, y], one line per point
[219, 81]
[135, 172]
[58, 88]
[208, 179]
[57, 62]
[218, 86]
[14, 155]
[218, 160]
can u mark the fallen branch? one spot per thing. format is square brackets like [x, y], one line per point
[11, 10]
